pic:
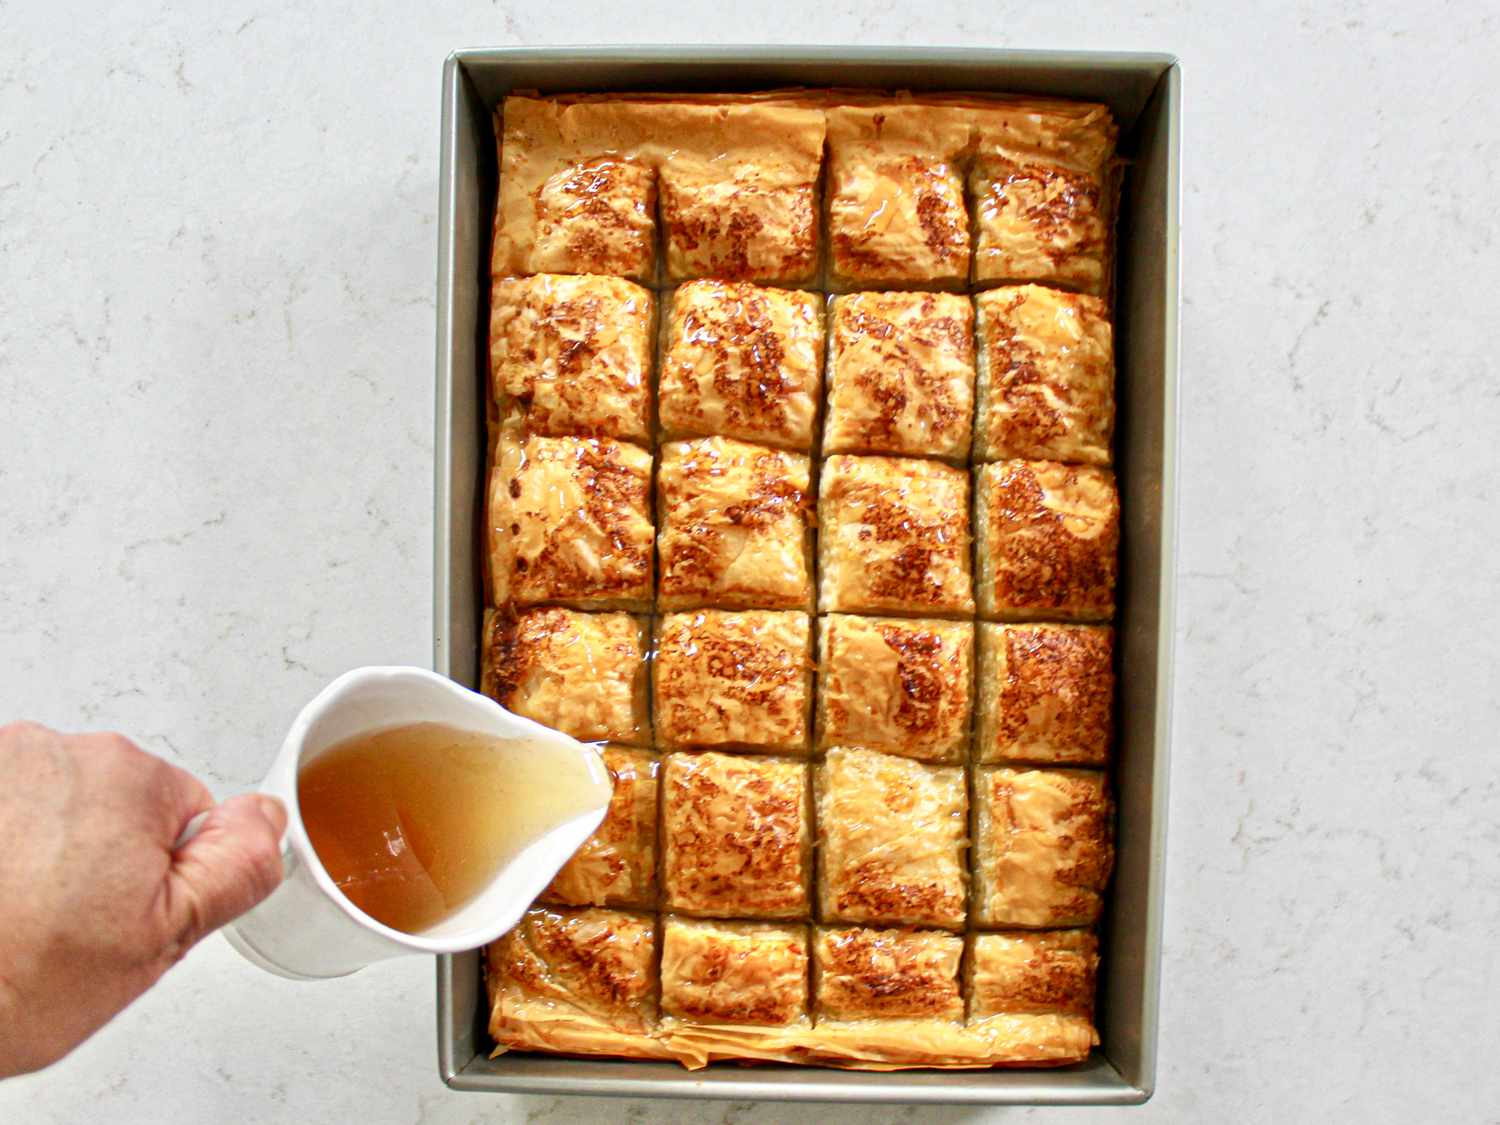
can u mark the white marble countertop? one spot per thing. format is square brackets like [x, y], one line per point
[217, 245]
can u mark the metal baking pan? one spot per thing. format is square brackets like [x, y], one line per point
[1142, 89]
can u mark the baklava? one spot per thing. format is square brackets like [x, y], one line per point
[800, 507]
[1045, 694]
[900, 375]
[891, 834]
[1042, 183]
[573, 355]
[581, 673]
[896, 211]
[570, 522]
[733, 681]
[1042, 847]
[742, 361]
[735, 526]
[1046, 376]
[900, 685]
[894, 537]
[1048, 539]
[736, 836]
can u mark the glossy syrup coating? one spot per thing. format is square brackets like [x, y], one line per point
[616, 866]
[862, 973]
[1048, 971]
[739, 193]
[1045, 694]
[576, 980]
[900, 685]
[734, 972]
[570, 522]
[891, 835]
[733, 680]
[1041, 181]
[896, 212]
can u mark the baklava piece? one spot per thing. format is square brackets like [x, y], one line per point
[891, 836]
[581, 673]
[883, 974]
[894, 537]
[895, 684]
[744, 362]
[901, 375]
[739, 192]
[733, 681]
[1048, 535]
[896, 211]
[1045, 694]
[575, 981]
[1046, 376]
[735, 526]
[577, 193]
[617, 864]
[736, 836]
[572, 355]
[734, 972]
[571, 524]
[1043, 973]
[1041, 182]
[1042, 847]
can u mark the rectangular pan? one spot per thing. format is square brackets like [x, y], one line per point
[1143, 91]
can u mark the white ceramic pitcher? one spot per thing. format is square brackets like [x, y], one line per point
[307, 929]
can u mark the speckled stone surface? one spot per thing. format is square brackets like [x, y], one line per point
[217, 246]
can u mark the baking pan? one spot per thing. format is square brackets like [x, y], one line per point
[1142, 89]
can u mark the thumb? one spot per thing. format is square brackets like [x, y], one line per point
[230, 865]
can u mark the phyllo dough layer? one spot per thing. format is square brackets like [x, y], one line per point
[576, 981]
[742, 361]
[734, 972]
[570, 523]
[894, 537]
[1019, 973]
[572, 355]
[739, 192]
[1042, 185]
[1046, 376]
[863, 973]
[616, 866]
[896, 211]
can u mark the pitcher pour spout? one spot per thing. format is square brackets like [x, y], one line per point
[309, 928]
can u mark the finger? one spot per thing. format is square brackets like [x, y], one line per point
[230, 865]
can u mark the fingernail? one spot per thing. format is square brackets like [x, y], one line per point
[273, 810]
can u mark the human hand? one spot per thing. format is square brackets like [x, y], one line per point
[95, 904]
